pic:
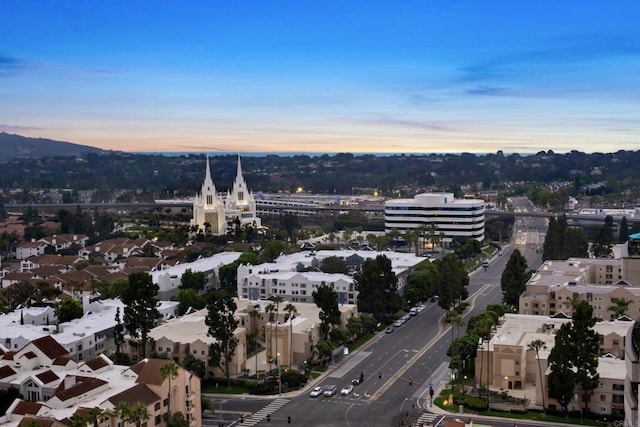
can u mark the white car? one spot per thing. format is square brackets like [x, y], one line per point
[346, 389]
[329, 391]
[317, 391]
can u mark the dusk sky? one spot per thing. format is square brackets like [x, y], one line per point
[323, 76]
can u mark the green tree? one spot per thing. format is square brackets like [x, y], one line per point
[68, 309]
[452, 281]
[601, 247]
[95, 415]
[587, 349]
[121, 411]
[77, 420]
[176, 419]
[514, 278]
[192, 364]
[140, 312]
[7, 396]
[334, 264]
[289, 222]
[192, 280]
[322, 351]
[619, 307]
[551, 246]
[623, 233]
[377, 287]
[576, 244]
[326, 299]
[118, 332]
[290, 309]
[562, 380]
[138, 413]
[272, 250]
[221, 326]
[537, 345]
[169, 371]
[117, 287]
[189, 298]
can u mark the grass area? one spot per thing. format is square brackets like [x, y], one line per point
[359, 342]
[222, 388]
[442, 402]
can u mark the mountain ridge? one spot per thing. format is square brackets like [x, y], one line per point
[13, 146]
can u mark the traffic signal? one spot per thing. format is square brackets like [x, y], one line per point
[268, 418]
[362, 376]
[241, 418]
[379, 375]
[431, 391]
[288, 420]
[410, 381]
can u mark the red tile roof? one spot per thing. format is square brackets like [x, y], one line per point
[6, 371]
[50, 347]
[138, 393]
[48, 376]
[27, 408]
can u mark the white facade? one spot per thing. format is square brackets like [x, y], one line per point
[213, 212]
[452, 217]
[285, 278]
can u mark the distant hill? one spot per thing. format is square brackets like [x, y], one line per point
[22, 147]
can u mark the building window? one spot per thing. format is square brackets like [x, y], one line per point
[157, 406]
[618, 387]
[603, 398]
[158, 419]
[165, 402]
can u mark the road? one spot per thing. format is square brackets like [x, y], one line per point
[414, 353]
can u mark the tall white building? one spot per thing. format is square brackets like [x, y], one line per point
[452, 217]
[220, 210]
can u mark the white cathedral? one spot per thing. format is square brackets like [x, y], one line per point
[220, 211]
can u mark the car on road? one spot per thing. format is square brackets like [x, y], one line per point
[329, 391]
[355, 381]
[346, 389]
[414, 311]
[434, 298]
[389, 330]
[398, 323]
[405, 318]
[317, 391]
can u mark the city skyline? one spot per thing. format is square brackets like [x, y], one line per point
[323, 77]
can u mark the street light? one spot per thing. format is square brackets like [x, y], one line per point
[279, 375]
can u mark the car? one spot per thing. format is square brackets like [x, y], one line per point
[317, 391]
[355, 381]
[329, 391]
[414, 311]
[389, 330]
[398, 323]
[421, 307]
[346, 389]
[435, 298]
[405, 318]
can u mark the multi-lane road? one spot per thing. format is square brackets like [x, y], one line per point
[398, 367]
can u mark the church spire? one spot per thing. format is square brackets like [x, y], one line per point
[239, 172]
[207, 174]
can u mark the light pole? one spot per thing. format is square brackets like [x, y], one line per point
[279, 375]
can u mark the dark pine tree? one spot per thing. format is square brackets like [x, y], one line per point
[514, 278]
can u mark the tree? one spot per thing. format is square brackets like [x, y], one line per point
[551, 246]
[222, 325]
[537, 345]
[562, 380]
[272, 250]
[192, 280]
[254, 314]
[586, 343]
[271, 309]
[290, 309]
[77, 420]
[576, 244]
[118, 332]
[619, 307]
[377, 287]
[95, 415]
[121, 411]
[514, 278]
[176, 419]
[140, 312]
[189, 298]
[68, 309]
[452, 281]
[601, 247]
[138, 413]
[192, 364]
[623, 233]
[334, 264]
[322, 351]
[277, 300]
[326, 299]
[169, 370]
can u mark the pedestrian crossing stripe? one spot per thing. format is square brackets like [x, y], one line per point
[426, 417]
[260, 415]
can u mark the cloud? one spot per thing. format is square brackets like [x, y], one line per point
[10, 66]
[17, 128]
[556, 51]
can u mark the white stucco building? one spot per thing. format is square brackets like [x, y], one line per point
[452, 217]
[213, 212]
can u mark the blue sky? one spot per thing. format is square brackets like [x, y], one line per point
[323, 76]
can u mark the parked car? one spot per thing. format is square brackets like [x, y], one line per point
[346, 389]
[329, 391]
[389, 330]
[398, 323]
[317, 391]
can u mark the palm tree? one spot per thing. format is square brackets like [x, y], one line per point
[537, 345]
[94, 414]
[169, 370]
[620, 306]
[254, 325]
[138, 413]
[271, 308]
[77, 420]
[290, 308]
[278, 299]
[456, 321]
[121, 411]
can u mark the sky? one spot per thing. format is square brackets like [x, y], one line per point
[408, 76]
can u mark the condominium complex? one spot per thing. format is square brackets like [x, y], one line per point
[289, 275]
[437, 212]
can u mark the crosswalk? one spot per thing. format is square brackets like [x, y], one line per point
[256, 417]
[426, 419]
